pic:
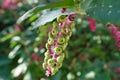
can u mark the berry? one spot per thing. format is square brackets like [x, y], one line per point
[55, 24]
[46, 59]
[65, 31]
[72, 25]
[59, 65]
[50, 41]
[63, 55]
[58, 50]
[64, 46]
[92, 24]
[47, 54]
[54, 31]
[44, 65]
[61, 19]
[47, 46]
[51, 62]
[67, 38]
[54, 70]
[71, 17]
[60, 59]
[61, 40]
[50, 35]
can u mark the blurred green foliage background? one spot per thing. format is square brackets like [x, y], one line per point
[90, 55]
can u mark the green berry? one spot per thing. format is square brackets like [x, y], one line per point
[64, 46]
[63, 55]
[47, 46]
[67, 38]
[72, 25]
[55, 24]
[61, 18]
[46, 59]
[44, 65]
[50, 41]
[65, 30]
[47, 54]
[54, 31]
[50, 35]
[59, 65]
[70, 34]
[54, 70]
[58, 50]
[60, 59]
[61, 40]
[51, 62]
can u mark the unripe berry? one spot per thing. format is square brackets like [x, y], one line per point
[64, 46]
[67, 38]
[72, 25]
[50, 35]
[61, 40]
[47, 54]
[50, 41]
[54, 31]
[61, 19]
[60, 59]
[65, 31]
[55, 24]
[54, 70]
[46, 59]
[63, 55]
[47, 46]
[70, 34]
[44, 65]
[51, 62]
[58, 50]
[59, 65]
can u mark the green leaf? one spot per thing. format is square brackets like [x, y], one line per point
[106, 11]
[4, 60]
[60, 4]
[4, 45]
[103, 75]
[85, 4]
[5, 73]
[98, 52]
[48, 17]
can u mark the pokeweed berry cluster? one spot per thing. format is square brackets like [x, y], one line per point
[92, 24]
[115, 34]
[57, 42]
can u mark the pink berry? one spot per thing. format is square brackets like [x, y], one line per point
[117, 70]
[92, 24]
